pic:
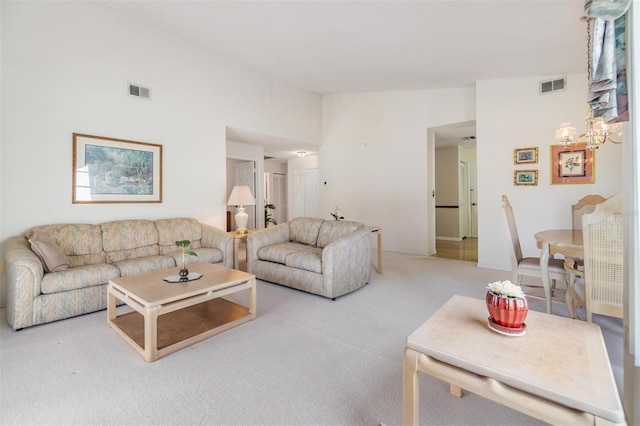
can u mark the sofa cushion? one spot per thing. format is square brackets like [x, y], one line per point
[144, 264]
[331, 230]
[82, 243]
[210, 255]
[279, 252]
[52, 257]
[172, 230]
[129, 239]
[309, 260]
[305, 230]
[79, 277]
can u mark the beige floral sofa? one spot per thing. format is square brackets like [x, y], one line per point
[325, 257]
[60, 271]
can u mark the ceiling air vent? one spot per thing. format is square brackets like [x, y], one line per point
[553, 85]
[138, 91]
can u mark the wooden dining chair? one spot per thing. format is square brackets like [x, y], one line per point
[600, 290]
[585, 205]
[528, 266]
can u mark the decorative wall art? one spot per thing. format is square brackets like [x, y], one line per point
[572, 164]
[108, 170]
[525, 177]
[525, 155]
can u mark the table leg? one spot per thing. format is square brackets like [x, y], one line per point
[544, 272]
[380, 252]
[253, 305]
[111, 306]
[151, 334]
[410, 388]
[236, 253]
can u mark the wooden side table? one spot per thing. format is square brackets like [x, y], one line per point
[378, 231]
[237, 238]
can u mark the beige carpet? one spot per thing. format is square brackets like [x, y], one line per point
[304, 361]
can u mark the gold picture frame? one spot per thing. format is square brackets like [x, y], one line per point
[525, 177]
[525, 155]
[109, 170]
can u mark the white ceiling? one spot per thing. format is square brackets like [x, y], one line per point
[359, 46]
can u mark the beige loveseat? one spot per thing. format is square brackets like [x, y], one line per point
[75, 262]
[325, 257]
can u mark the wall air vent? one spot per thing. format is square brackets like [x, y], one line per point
[550, 86]
[138, 91]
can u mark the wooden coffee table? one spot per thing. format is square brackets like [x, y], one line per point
[170, 316]
[558, 372]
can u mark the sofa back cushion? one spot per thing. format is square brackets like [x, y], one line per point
[82, 243]
[305, 230]
[331, 230]
[127, 239]
[172, 230]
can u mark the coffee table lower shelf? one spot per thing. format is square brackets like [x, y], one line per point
[179, 329]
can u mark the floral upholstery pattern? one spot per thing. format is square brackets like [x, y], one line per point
[97, 254]
[341, 265]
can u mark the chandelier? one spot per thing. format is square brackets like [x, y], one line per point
[598, 132]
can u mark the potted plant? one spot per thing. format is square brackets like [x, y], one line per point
[268, 219]
[337, 212]
[184, 246]
[507, 305]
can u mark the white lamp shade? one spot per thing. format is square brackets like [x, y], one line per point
[241, 195]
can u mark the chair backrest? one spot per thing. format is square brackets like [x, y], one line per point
[515, 251]
[586, 205]
[603, 258]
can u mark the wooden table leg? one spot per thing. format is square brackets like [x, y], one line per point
[544, 272]
[151, 334]
[410, 388]
[236, 253]
[111, 306]
[253, 305]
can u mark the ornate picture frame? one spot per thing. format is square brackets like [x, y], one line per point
[109, 170]
[525, 177]
[572, 164]
[525, 155]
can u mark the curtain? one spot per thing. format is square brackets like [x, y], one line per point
[608, 78]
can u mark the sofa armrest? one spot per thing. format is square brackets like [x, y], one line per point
[213, 237]
[24, 276]
[265, 237]
[346, 262]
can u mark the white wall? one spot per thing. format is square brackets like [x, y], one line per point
[512, 115]
[65, 68]
[374, 158]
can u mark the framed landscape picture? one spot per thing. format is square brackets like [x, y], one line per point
[572, 164]
[525, 155]
[108, 170]
[525, 177]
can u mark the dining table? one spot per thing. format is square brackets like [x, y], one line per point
[567, 242]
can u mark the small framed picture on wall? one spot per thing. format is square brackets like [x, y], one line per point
[572, 164]
[525, 155]
[525, 177]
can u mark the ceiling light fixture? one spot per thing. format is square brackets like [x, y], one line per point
[301, 153]
[598, 132]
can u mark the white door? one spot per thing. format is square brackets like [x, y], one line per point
[307, 192]
[245, 175]
[473, 198]
[278, 196]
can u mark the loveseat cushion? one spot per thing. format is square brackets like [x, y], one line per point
[309, 260]
[331, 230]
[129, 239]
[144, 264]
[78, 277]
[279, 252]
[82, 243]
[305, 230]
[172, 230]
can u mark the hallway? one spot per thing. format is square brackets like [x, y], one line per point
[466, 249]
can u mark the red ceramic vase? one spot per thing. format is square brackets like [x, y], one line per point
[507, 311]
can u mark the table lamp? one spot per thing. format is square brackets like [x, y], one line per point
[241, 195]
